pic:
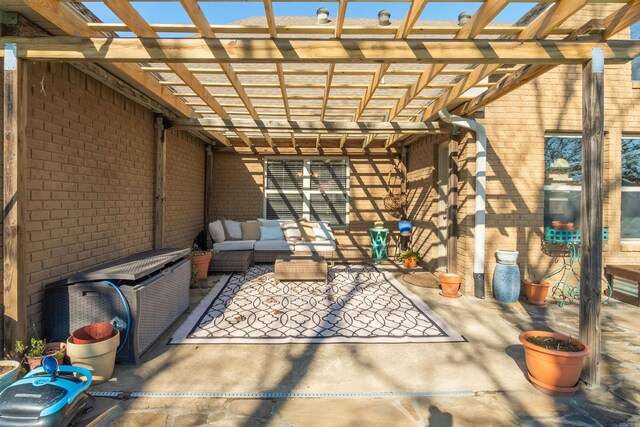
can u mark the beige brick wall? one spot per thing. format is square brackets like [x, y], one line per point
[91, 179]
[238, 193]
[184, 189]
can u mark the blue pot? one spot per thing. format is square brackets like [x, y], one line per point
[405, 226]
[506, 282]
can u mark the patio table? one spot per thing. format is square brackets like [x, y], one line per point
[379, 243]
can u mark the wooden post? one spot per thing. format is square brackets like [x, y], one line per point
[208, 188]
[161, 163]
[591, 213]
[452, 208]
[15, 115]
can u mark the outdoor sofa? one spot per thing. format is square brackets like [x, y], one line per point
[269, 238]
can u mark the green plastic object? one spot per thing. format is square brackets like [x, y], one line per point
[379, 244]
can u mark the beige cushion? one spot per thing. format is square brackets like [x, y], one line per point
[217, 231]
[234, 231]
[291, 231]
[307, 230]
[250, 230]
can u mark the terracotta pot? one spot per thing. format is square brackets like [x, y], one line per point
[536, 292]
[411, 262]
[93, 333]
[57, 349]
[553, 371]
[202, 264]
[450, 284]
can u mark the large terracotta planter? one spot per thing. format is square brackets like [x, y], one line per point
[552, 371]
[450, 284]
[201, 263]
[536, 292]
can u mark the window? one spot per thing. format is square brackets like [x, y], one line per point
[311, 188]
[630, 209]
[563, 178]
[635, 64]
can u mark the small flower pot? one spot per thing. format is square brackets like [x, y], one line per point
[201, 263]
[92, 333]
[55, 349]
[411, 262]
[536, 292]
[450, 284]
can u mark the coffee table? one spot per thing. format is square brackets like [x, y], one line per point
[300, 268]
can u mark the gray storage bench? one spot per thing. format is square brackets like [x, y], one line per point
[155, 285]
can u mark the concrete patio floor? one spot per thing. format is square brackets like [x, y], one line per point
[479, 382]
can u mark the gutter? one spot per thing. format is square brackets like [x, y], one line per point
[481, 194]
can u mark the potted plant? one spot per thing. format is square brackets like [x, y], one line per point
[37, 349]
[554, 361]
[536, 292]
[200, 259]
[410, 258]
[9, 370]
[450, 284]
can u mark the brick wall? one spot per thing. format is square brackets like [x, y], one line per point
[184, 189]
[238, 193]
[516, 125]
[90, 183]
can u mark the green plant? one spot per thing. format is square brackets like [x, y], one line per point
[409, 254]
[36, 348]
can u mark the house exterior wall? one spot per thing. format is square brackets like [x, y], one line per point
[90, 182]
[238, 186]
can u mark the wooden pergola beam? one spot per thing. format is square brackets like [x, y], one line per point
[418, 30]
[252, 50]
[14, 295]
[311, 126]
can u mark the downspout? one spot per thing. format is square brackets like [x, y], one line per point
[481, 194]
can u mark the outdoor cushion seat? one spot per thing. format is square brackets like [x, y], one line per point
[273, 245]
[318, 246]
[234, 245]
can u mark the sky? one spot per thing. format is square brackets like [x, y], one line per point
[228, 12]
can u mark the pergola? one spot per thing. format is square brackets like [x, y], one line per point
[270, 84]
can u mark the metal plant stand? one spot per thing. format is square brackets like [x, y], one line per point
[567, 290]
[379, 244]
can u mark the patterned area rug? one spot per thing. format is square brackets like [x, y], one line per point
[359, 305]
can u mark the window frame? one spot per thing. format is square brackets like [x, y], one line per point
[628, 189]
[560, 187]
[306, 185]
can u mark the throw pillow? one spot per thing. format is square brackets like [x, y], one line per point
[323, 232]
[250, 230]
[217, 231]
[269, 222]
[234, 231]
[307, 231]
[271, 233]
[291, 231]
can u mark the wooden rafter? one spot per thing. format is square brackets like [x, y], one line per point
[416, 8]
[471, 29]
[539, 28]
[202, 24]
[611, 24]
[141, 28]
[315, 72]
